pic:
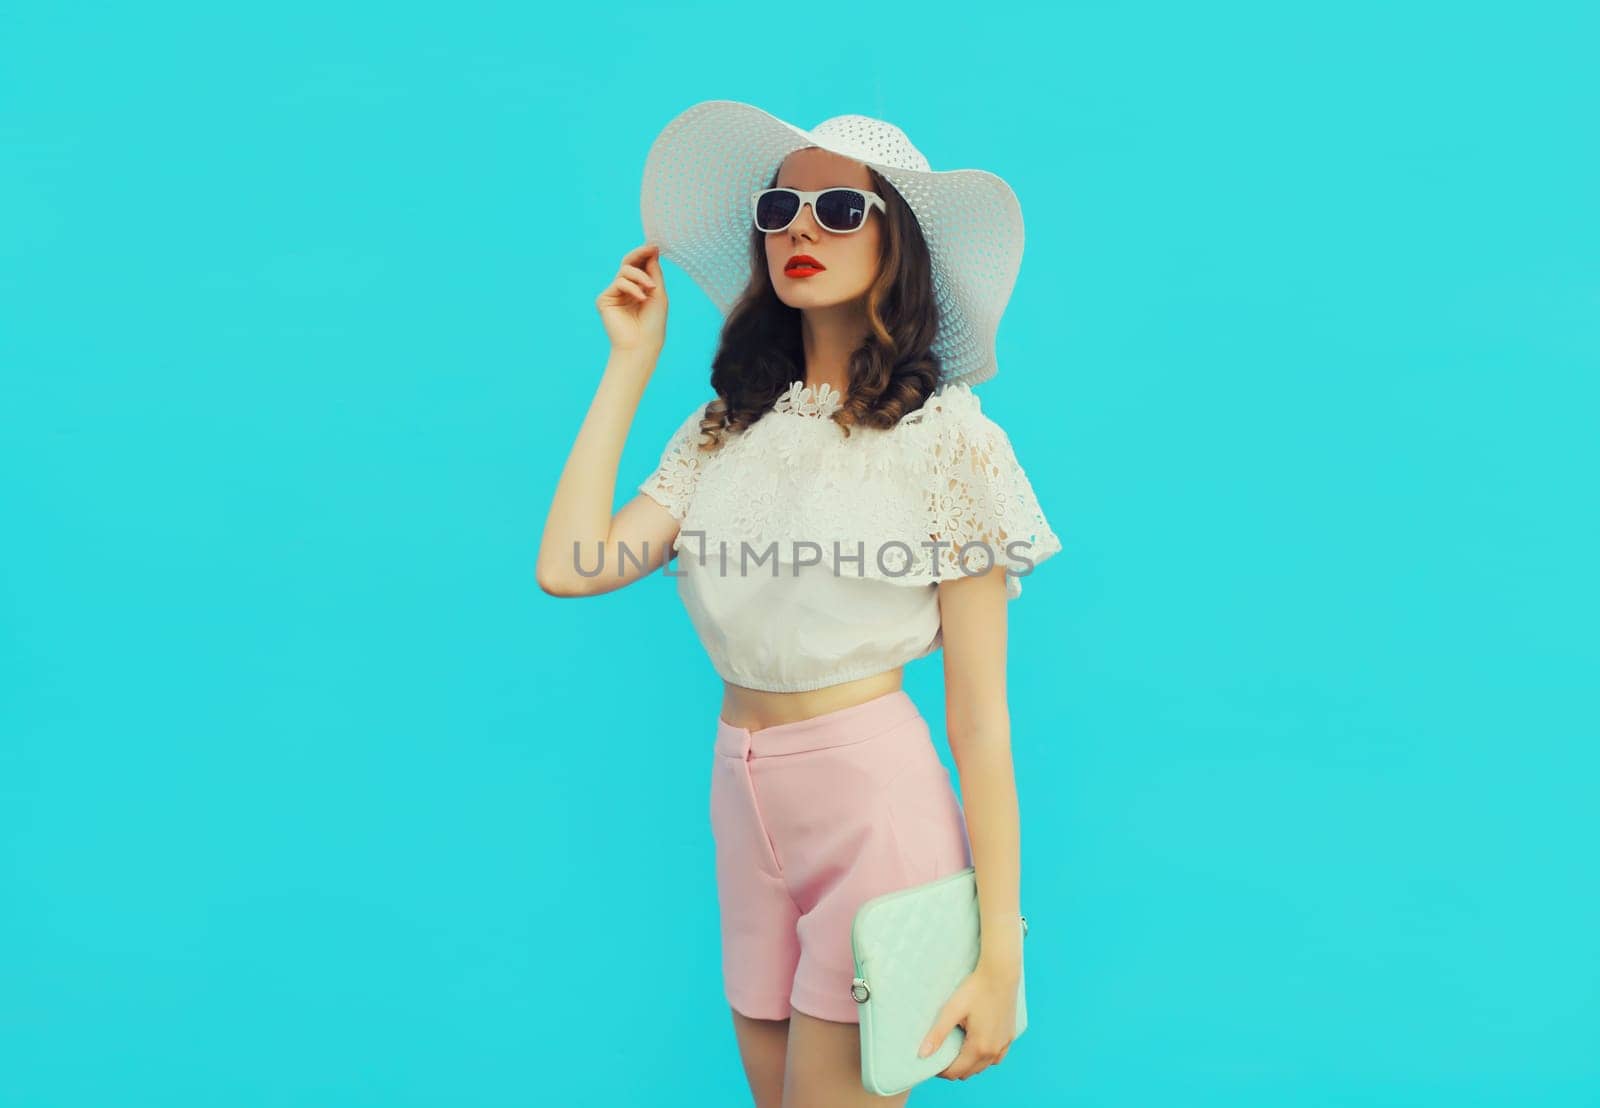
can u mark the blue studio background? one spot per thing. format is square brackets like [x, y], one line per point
[309, 796]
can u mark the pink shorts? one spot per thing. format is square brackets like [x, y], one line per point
[811, 819]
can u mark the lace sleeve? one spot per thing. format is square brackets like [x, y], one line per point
[672, 483]
[980, 494]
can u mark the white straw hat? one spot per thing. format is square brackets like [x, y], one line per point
[705, 164]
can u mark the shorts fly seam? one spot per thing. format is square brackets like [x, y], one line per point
[766, 834]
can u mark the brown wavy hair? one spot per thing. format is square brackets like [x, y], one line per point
[891, 373]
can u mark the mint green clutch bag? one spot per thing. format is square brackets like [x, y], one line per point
[913, 947]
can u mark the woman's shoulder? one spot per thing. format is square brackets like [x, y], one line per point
[949, 404]
[952, 413]
[688, 430]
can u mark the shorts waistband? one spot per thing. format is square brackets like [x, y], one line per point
[840, 727]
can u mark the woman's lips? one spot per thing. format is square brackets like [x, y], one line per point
[801, 270]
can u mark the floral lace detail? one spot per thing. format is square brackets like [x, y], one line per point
[908, 497]
[673, 482]
[801, 399]
[978, 493]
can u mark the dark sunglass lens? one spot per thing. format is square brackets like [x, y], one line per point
[774, 210]
[841, 209]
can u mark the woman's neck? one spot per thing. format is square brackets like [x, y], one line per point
[829, 336]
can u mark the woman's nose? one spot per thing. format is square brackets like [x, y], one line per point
[804, 219]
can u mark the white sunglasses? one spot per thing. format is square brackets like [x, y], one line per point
[840, 210]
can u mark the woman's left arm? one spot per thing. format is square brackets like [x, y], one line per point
[972, 611]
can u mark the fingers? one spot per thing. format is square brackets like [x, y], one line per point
[642, 255]
[973, 1059]
[640, 272]
[628, 288]
[639, 276]
[637, 283]
[950, 1015]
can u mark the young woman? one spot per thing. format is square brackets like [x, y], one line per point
[840, 506]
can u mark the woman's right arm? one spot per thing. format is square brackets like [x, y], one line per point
[580, 531]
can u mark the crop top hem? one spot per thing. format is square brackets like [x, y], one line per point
[855, 673]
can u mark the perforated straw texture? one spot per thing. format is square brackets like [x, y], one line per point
[705, 163]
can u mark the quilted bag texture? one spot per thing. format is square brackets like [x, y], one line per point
[913, 947]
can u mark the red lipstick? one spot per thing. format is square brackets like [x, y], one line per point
[802, 265]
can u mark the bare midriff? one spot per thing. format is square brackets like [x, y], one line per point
[754, 709]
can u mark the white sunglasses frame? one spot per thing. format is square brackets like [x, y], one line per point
[810, 197]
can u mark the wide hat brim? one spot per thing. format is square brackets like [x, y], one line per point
[695, 202]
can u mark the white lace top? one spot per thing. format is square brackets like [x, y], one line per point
[807, 559]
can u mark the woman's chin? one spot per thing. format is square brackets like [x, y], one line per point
[808, 298]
